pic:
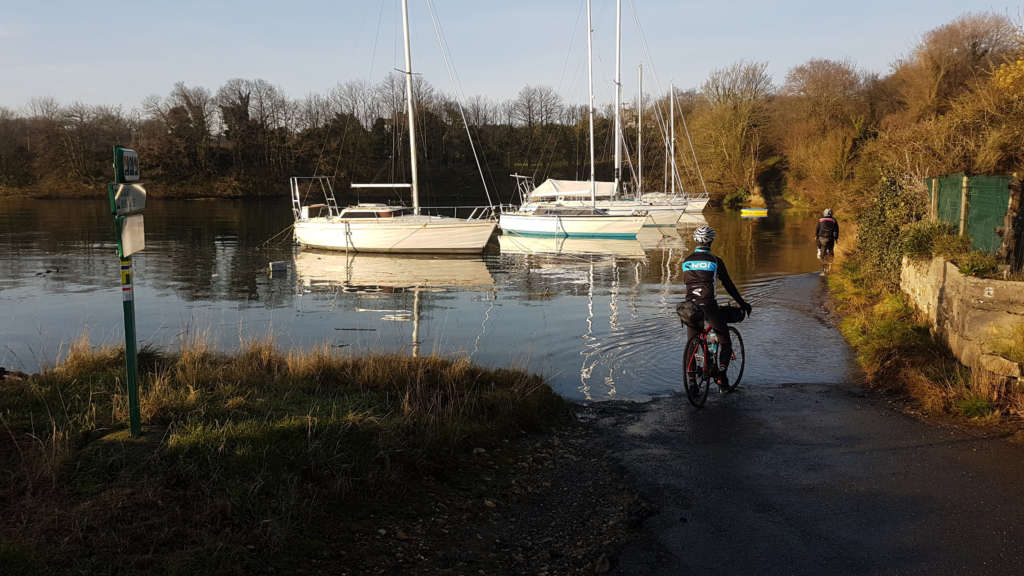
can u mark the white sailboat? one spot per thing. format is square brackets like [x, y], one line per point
[580, 219]
[575, 194]
[661, 209]
[383, 228]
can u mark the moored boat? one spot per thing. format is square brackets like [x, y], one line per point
[393, 229]
[382, 228]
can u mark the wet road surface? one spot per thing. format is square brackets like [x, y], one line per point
[813, 478]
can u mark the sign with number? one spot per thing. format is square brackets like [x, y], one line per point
[129, 199]
[126, 165]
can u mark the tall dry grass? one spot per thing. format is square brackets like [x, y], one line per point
[259, 437]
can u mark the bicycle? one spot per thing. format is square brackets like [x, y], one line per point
[698, 373]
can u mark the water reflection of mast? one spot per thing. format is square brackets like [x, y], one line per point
[483, 325]
[416, 322]
[613, 304]
[634, 310]
[585, 370]
[666, 275]
[613, 321]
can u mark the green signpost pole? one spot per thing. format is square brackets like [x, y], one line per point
[126, 204]
[130, 353]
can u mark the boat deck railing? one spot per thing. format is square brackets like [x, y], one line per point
[468, 212]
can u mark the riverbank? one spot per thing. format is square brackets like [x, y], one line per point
[899, 354]
[264, 461]
[227, 188]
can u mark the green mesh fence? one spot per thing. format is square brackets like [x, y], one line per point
[988, 199]
[949, 198]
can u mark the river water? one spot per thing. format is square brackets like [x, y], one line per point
[596, 317]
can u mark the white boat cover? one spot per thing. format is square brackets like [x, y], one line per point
[552, 189]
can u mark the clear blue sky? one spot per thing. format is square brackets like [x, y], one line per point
[103, 52]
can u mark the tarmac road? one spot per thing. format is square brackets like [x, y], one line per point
[813, 478]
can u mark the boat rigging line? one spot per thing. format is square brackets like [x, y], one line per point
[658, 114]
[352, 113]
[548, 148]
[692, 151]
[459, 95]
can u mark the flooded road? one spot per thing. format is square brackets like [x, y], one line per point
[596, 317]
[793, 476]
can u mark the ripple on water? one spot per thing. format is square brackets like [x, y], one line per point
[598, 325]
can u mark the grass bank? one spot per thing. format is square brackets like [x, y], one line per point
[894, 344]
[248, 458]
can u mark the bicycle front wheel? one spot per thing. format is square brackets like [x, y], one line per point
[737, 362]
[696, 376]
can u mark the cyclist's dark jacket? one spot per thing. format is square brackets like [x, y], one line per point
[828, 228]
[700, 270]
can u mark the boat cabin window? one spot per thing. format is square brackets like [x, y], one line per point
[379, 213]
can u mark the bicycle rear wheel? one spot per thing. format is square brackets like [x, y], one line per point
[738, 361]
[696, 376]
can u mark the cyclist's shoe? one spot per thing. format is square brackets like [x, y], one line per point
[723, 380]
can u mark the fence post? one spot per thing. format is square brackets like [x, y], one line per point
[934, 208]
[964, 204]
[1013, 237]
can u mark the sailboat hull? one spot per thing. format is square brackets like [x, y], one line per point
[696, 206]
[601, 226]
[400, 235]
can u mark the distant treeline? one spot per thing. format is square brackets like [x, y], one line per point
[955, 102]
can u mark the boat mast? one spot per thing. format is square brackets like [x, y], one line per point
[640, 133]
[590, 86]
[618, 95]
[672, 136]
[410, 112]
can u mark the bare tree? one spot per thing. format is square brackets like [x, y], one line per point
[742, 84]
[729, 129]
[44, 107]
[829, 91]
[952, 57]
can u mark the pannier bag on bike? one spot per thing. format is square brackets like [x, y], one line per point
[691, 314]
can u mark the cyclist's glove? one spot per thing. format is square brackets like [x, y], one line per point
[746, 308]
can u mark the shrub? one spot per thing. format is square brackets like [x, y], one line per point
[919, 238]
[978, 263]
[879, 230]
[951, 245]
[973, 405]
[735, 200]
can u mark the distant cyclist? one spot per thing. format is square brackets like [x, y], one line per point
[827, 234]
[701, 271]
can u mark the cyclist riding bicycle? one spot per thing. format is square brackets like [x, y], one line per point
[701, 271]
[826, 234]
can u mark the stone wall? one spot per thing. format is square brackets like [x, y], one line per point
[966, 312]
